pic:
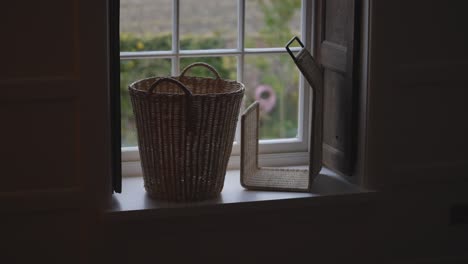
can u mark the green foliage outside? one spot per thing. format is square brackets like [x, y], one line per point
[277, 71]
[277, 15]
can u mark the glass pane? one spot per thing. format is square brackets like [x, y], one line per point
[145, 25]
[130, 71]
[225, 66]
[208, 24]
[271, 23]
[273, 81]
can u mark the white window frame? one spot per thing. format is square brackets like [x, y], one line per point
[273, 152]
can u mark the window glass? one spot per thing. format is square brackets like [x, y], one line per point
[130, 71]
[145, 25]
[205, 28]
[273, 81]
[271, 23]
[225, 66]
[208, 24]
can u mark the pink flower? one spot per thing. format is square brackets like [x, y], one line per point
[266, 97]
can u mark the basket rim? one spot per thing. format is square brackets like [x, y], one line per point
[239, 89]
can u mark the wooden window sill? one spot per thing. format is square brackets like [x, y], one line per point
[328, 188]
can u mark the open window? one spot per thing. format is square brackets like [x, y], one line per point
[245, 41]
[336, 24]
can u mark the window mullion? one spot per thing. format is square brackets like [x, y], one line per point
[131, 55]
[268, 50]
[240, 57]
[240, 39]
[175, 37]
[304, 90]
[307, 19]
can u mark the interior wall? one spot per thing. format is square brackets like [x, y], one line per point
[307, 234]
[417, 90]
[416, 137]
[54, 135]
[415, 157]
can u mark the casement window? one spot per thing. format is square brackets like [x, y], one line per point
[244, 40]
[337, 24]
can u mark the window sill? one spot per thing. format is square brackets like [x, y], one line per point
[328, 188]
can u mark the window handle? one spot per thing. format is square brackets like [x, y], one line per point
[295, 38]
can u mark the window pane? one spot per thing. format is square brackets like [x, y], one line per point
[271, 23]
[145, 25]
[273, 80]
[225, 66]
[130, 71]
[208, 24]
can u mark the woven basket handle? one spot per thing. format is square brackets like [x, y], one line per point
[196, 64]
[167, 79]
[190, 114]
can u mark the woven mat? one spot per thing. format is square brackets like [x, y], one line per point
[282, 179]
[265, 178]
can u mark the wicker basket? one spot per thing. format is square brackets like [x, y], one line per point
[186, 128]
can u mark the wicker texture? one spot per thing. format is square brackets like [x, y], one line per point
[265, 178]
[186, 127]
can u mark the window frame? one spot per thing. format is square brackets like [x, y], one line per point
[272, 152]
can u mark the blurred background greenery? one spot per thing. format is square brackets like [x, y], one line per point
[269, 24]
